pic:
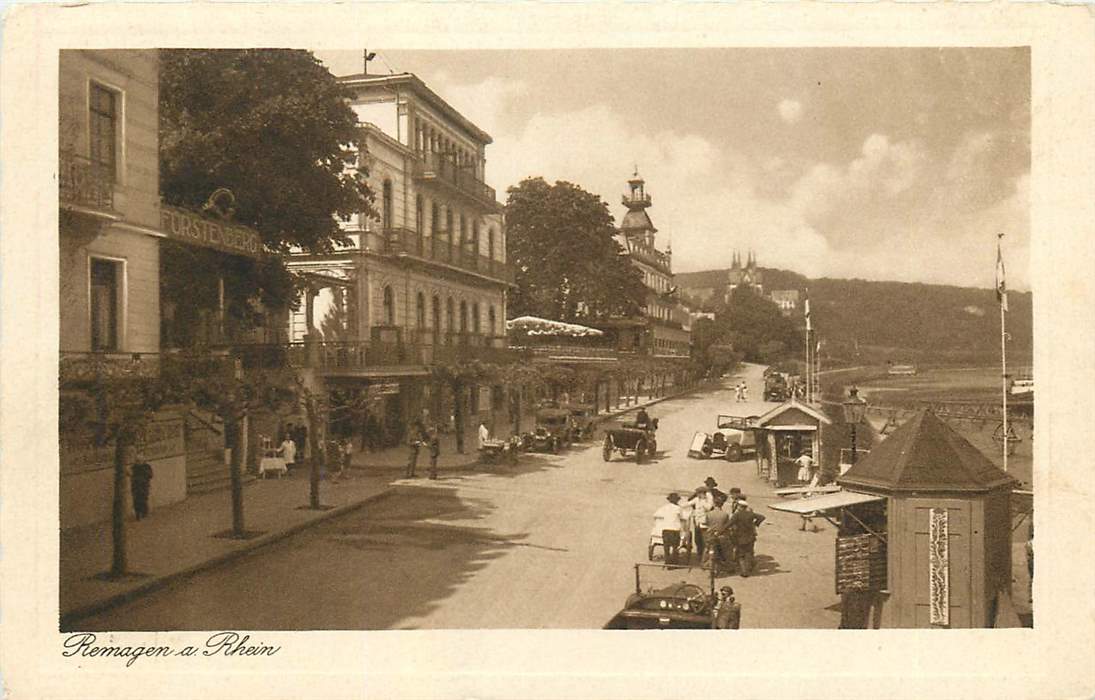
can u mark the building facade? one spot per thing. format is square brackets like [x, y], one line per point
[663, 330]
[109, 263]
[425, 281]
[787, 300]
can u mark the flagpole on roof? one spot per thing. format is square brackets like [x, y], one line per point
[1002, 298]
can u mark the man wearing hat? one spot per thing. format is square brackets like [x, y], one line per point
[710, 483]
[735, 496]
[743, 533]
[667, 522]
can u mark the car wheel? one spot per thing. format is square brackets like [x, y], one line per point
[606, 450]
[706, 451]
[640, 451]
[733, 453]
[653, 450]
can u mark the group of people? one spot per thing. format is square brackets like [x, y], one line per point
[741, 391]
[720, 527]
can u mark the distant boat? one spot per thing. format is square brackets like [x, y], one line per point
[1022, 387]
[902, 370]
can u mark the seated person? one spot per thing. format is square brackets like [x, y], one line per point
[642, 419]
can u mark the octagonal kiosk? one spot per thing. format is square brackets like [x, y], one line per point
[945, 528]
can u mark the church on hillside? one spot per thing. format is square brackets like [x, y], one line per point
[748, 276]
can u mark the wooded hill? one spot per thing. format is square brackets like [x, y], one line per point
[871, 322]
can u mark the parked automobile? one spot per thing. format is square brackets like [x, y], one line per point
[775, 388]
[682, 604]
[630, 437]
[552, 431]
[583, 418]
[732, 440]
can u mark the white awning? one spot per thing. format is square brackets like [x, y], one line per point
[830, 501]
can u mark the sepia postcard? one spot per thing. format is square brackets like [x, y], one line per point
[547, 350]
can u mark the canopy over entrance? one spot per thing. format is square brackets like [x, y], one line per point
[534, 325]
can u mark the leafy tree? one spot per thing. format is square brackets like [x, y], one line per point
[569, 265]
[753, 325]
[274, 127]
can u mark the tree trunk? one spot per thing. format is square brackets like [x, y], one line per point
[234, 427]
[118, 565]
[315, 454]
[458, 414]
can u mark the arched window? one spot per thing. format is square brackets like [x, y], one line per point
[491, 319]
[419, 215]
[420, 310]
[475, 328]
[389, 307]
[490, 243]
[463, 231]
[450, 316]
[475, 236]
[463, 317]
[435, 225]
[386, 211]
[436, 314]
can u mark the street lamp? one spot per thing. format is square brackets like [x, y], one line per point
[854, 409]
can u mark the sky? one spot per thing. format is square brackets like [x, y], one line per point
[889, 164]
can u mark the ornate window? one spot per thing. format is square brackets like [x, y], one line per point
[420, 310]
[389, 306]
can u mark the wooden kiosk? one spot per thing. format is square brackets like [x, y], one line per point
[945, 525]
[785, 433]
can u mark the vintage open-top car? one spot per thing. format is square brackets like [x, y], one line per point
[582, 418]
[732, 440]
[552, 431]
[631, 437]
[691, 603]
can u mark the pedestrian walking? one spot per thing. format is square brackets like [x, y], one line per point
[743, 533]
[744, 391]
[435, 451]
[416, 437]
[667, 524]
[140, 483]
[737, 391]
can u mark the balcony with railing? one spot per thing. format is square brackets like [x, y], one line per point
[440, 167]
[439, 248]
[83, 367]
[86, 186]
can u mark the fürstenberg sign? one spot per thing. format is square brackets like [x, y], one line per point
[194, 229]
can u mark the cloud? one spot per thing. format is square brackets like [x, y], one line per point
[894, 209]
[790, 111]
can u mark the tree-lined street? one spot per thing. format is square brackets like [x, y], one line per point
[547, 544]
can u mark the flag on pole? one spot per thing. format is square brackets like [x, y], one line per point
[807, 306]
[1001, 287]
